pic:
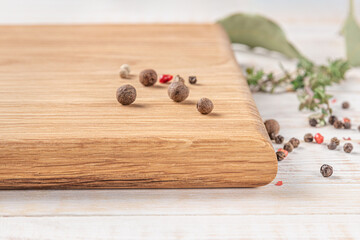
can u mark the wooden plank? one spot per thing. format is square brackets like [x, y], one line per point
[183, 227]
[61, 126]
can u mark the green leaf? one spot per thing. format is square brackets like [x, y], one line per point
[258, 31]
[351, 32]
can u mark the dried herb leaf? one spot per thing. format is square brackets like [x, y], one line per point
[351, 32]
[258, 31]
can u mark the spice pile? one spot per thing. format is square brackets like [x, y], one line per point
[177, 90]
[273, 128]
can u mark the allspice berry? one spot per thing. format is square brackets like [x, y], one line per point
[326, 170]
[335, 140]
[295, 142]
[205, 106]
[332, 119]
[148, 77]
[308, 137]
[178, 91]
[313, 122]
[280, 155]
[332, 146]
[348, 147]
[288, 147]
[345, 105]
[126, 94]
[347, 125]
[279, 139]
[338, 124]
[272, 127]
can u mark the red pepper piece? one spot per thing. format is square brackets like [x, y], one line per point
[319, 138]
[284, 151]
[346, 120]
[165, 78]
[279, 183]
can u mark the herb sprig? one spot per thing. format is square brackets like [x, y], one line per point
[308, 80]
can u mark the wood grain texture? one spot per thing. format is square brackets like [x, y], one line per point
[61, 126]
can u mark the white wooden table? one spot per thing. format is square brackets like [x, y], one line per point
[305, 206]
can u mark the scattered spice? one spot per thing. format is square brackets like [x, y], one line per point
[348, 139]
[288, 147]
[192, 79]
[205, 106]
[126, 94]
[124, 71]
[279, 183]
[333, 100]
[177, 90]
[280, 155]
[345, 105]
[332, 146]
[279, 139]
[272, 127]
[295, 142]
[326, 170]
[148, 77]
[348, 147]
[346, 120]
[283, 150]
[313, 122]
[308, 137]
[319, 138]
[179, 79]
[335, 140]
[338, 124]
[332, 119]
[347, 125]
[165, 78]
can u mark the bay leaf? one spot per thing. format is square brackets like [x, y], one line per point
[351, 32]
[258, 31]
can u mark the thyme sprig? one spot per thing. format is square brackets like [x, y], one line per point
[308, 80]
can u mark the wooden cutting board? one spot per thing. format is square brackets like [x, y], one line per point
[62, 127]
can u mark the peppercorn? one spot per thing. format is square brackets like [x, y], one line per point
[280, 155]
[347, 125]
[335, 140]
[332, 146]
[308, 137]
[345, 105]
[177, 90]
[272, 127]
[295, 142]
[279, 139]
[288, 147]
[348, 147]
[319, 138]
[126, 94]
[313, 122]
[204, 106]
[332, 119]
[148, 77]
[124, 71]
[338, 124]
[192, 79]
[326, 170]
[179, 79]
